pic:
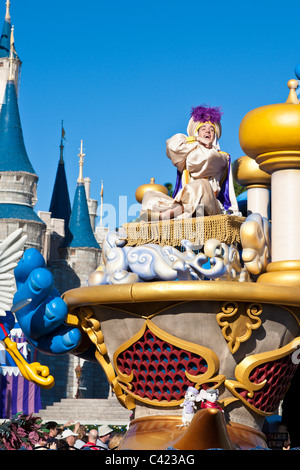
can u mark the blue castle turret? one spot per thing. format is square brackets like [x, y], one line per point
[5, 36]
[79, 233]
[60, 206]
[13, 155]
[10, 63]
[18, 180]
[79, 250]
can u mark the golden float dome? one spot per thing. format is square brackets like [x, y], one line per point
[271, 134]
[247, 173]
[152, 186]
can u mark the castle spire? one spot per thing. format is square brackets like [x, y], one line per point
[101, 203]
[61, 160]
[17, 173]
[60, 205]
[13, 154]
[11, 55]
[5, 36]
[10, 62]
[80, 233]
[7, 14]
[81, 156]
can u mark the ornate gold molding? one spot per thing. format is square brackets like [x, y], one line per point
[262, 379]
[91, 326]
[177, 291]
[237, 322]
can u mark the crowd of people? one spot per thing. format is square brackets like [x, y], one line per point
[78, 437]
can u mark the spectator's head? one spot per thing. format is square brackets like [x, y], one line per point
[52, 427]
[81, 432]
[69, 436]
[104, 433]
[93, 436]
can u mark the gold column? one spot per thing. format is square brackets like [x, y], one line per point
[271, 136]
[247, 173]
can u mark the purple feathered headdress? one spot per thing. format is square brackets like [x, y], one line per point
[205, 113]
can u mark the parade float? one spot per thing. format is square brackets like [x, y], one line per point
[195, 320]
[189, 306]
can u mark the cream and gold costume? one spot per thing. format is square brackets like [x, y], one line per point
[206, 168]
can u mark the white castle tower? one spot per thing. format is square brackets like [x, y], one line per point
[10, 64]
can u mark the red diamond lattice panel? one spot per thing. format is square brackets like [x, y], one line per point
[278, 375]
[159, 368]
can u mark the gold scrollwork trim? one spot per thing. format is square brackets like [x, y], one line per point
[237, 322]
[91, 326]
[34, 372]
[209, 356]
[246, 366]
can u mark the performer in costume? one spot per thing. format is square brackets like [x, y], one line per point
[204, 183]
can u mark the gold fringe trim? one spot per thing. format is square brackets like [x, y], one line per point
[225, 228]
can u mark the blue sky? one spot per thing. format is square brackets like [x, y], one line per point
[123, 77]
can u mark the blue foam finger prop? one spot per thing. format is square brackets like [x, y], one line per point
[63, 340]
[37, 288]
[44, 312]
[46, 318]
[30, 260]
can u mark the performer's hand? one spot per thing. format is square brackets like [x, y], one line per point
[42, 320]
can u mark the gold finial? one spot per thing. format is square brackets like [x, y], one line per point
[148, 187]
[101, 205]
[7, 14]
[81, 156]
[293, 98]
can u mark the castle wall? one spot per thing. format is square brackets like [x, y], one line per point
[93, 382]
[81, 262]
[18, 187]
[35, 231]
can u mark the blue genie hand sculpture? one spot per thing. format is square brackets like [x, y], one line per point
[42, 319]
[11, 250]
